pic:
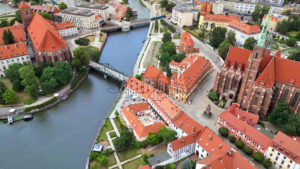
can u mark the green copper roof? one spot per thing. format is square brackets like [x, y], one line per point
[263, 35]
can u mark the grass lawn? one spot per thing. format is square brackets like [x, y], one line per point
[102, 36]
[105, 128]
[21, 95]
[110, 161]
[128, 154]
[292, 34]
[119, 123]
[91, 37]
[133, 164]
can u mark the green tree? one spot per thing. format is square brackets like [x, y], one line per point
[223, 131]
[18, 16]
[264, 11]
[30, 81]
[62, 72]
[16, 2]
[291, 42]
[213, 96]
[8, 37]
[9, 96]
[62, 6]
[156, 26]
[82, 41]
[258, 156]
[256, 13]
[295, 56]
[167, 135]
[92, 52]
[102, 159]
[153, 138]
[298, 36]
[282, 27]
[249, 43]
[46, 15]
[232, 138]
[13, 74]
[239, 144]
[39, 69]
[164, 59]
[223, 49]
[2, 90]
[186, 164]
[267, 163]
[167, 37]
[169, 7]
[163, 3]
[48, 80]
[231, 37]
[218, 36]
[125, 141]
[128, 14]
[247, 150]
[168, 47]
[281, 113]
[4, 23]
[179, 57]
[80, 59]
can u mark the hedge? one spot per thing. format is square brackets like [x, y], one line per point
[27, 109]
[79, 76]
[232, 139]
[170, 27]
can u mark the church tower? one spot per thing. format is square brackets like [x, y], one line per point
[26, 14]
[252, 69]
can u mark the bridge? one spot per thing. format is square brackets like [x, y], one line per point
[109, 71]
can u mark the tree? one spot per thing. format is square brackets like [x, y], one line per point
[282, 27]
[267, 163]
[82, 41]
[46, 15]
[167, 135]
[258, 156]
[2, 90]
[167, 37]
[231, 37]
[8, 37]
[62, 6]
[164, 59]
[40, 68]
[9, 96]
[239, 144]
[295, 56]
[256, 13]
[13, 74]
[213, 96]
[232, 138]
[128, 14]
[223, 131]
[153, 138]
[30, 81]
[156, 26]
[223, 49]
[249, 43]
[168, 47]
[48, 80]
[280, 113]
[179, 57]
[247, 150]
[102, 159]
[18, 16]
[4, 23]
[218, 36]
[169, 7]
[92, 52]
[291, 42]
[80, 59]
[186, 164]
[62, 72]
[125, 141]
[203, 28]
[298, 36]
[163, 3]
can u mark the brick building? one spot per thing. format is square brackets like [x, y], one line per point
[155, 77]
[187, 44]
[257, 80]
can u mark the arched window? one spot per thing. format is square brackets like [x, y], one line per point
[26, 12]
[286, 92]
[256, 55]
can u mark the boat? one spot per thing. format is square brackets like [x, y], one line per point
[10, 120]
[65, 97]
[27, 117]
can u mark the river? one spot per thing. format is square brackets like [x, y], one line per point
[61, 137]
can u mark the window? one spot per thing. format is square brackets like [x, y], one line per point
[286, 92]
[26, 13]
[294, 101]
[234, 85]
[256, 97]
[271, 155]
[276, 158]
[288, 166]
[227, 82]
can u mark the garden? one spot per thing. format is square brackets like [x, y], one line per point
[213, 96]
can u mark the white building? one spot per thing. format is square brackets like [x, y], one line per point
[185, 14]
[96, 9]
[275, 2]
[218, 8]
[83, 18]
[243, 31]
[244, 8]
[70, 3]
[13, 53]
[66, 29]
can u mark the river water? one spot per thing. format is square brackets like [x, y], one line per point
[61, 137]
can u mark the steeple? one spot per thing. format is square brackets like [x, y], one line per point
[263, 35]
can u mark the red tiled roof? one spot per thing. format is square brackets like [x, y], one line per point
[139, 87]
[23, 5]
[45, 8]
[13, 50]
[186, 39]
[16, 30]
[147, 166]
[220, 18]
[98, 16]
[195, 66]
[287, 71]
[278, 53]
[272, 18]
[244, 28]
[64, 25]
[136, 125]
[267, 76]
[156, 74]
[238, 56]
[187, 124]
[174, 63]
[209, 141]
[184, 141]
[249, 118]
[285, 144]
[44, 35]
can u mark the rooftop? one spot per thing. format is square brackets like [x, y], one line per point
[244, 28]
[17, 31]
[186, 7]
[92, 6]
[154, 73]
[76, 11]
[220, 18]
[64, 25]
[249, 118]
[13, 50]
[45, 8]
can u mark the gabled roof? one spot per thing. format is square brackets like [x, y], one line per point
[278, 53]
[186, 39]
[187, 124]
[13, 50]
[45, 8]
[238, 56]
[287, 71]
[184, 141]
[220, 18]
[17, 31]
[44, 35]
[147, 166]
[244, 28]
[64, 25]
[23, 5]
[249, 118]
[267, 77]
[154, 74]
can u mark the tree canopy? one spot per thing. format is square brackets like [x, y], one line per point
[13, 74]
[218, 36]
[29, 80]
[186, 164]
[9, 96]
[8, 37]
[46, 15]
[62, 6]
[291, 42]
[167, 135]
[2, 90]
[223, 49]
[249, 43]
[92, 52]
[125, 141]
[167, 37]
[231, 37]
[259, 12]
[80, 59]
[288, 25]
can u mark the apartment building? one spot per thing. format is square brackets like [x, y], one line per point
[66, 29]
[95, 8]
[184, 14]
[216, 20]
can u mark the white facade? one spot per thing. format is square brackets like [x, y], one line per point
[4, 63]
[241, 37]
[218, 8]
[69, 32]
[182, 152]
[275, 2]
[280, 160]
[245, 8]
[184, 14]
[97, 9]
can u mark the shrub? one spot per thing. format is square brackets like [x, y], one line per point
[108, 152]
[154, 138]
[186, 164]
[93, 155]
[29, 101]
[291, 42]
[171, 166]
[223, 131]
[27, 109]
[213, 96]
[232, 139]
[137, 145]
[239, 144]
[79, 76]
[139, 77]
[258, 156]
[102, 159]
[144, 159]
[247, 150]
[112, 134]
[267, 163]
[82, 41]
[144, 144]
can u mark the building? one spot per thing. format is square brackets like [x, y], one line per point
[190, 73]
[284, 152]
[44, 8]
[66, 29]
[218, 8]
[184, 14]
[26, 14]
[17, 31]
[155, 77]
[121, 12]
[70, 3]
[13, 53]
[274, 19]
[250, 118]
[187, 44]
[82, 18]
[203, 6]
[257, 80]
[240, 128]
[95, 8]
[243, 31]
[141, 120]
[216, 20]
[244, 8]
[228, 6]
[275, 2]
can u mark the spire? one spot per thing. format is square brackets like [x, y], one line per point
[263, 35]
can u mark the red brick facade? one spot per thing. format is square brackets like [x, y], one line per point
[155, 77]
[256, 80]
[187, 44]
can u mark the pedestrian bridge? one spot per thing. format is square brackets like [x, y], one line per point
[109, 71]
